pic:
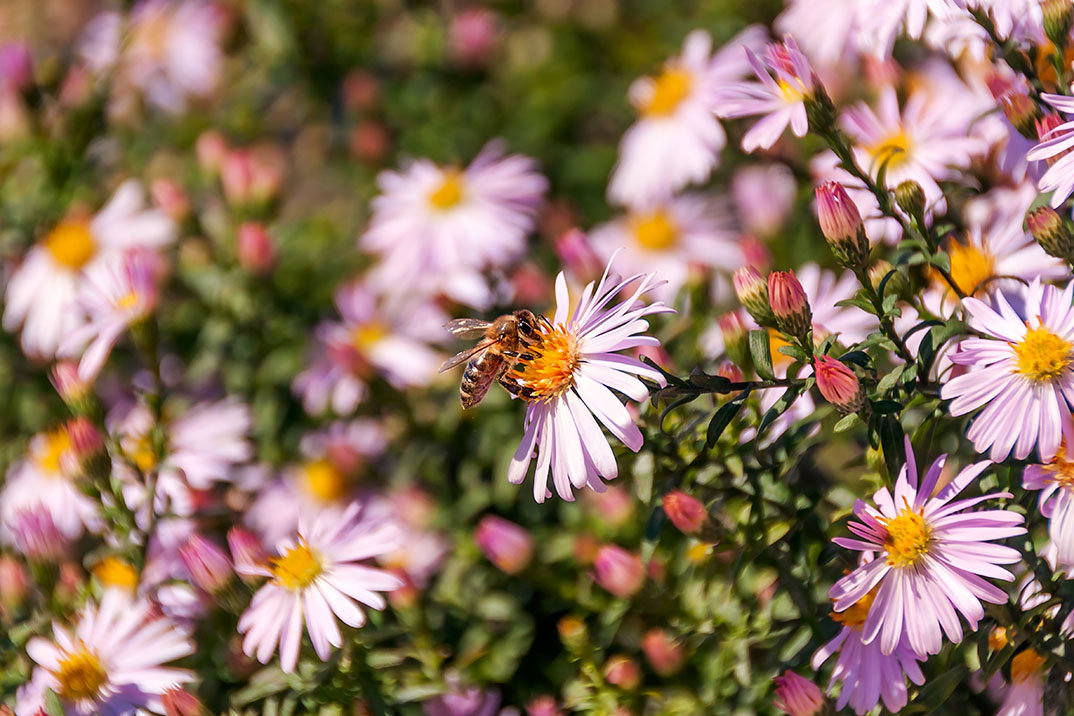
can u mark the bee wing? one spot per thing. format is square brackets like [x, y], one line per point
[467, 327]
[465, 355]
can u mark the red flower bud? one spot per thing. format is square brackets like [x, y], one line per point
[838, 385]
[685, 512]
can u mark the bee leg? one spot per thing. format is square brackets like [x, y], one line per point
[518, 356]
[515, 388]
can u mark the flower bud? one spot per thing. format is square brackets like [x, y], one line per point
[170, 197]
[87, 448]
[898, 284]
[543, 706]
[665, 655]
[841, 224]
[736, 338]
[75, 392]
[797, 695]
[578, 256]
[181, 703]
[730, 371]
[210, 149]
[911, 198]
[506, 544]
[685, 512]
[619, 571]
[36, 536]
[14, 582]
[755, 252]
[820, 111]
[790, 304]
[255, 249]
[573, 632]
[622, 671]
[839, 385]
[1022, 112]
[1057, 16]
[752, 291]
[369, 141]
[207, 564]
[473, 36]
[246, 549]
[1051, 232]
[252, 175]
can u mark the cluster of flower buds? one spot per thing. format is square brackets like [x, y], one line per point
[841, 224]
[838, 384]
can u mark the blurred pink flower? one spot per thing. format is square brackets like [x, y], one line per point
[507, 545]
[620, 572]
[764, 196]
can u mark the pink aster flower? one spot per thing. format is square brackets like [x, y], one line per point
[568, 386]
[376, 335]
[931, 559]
[1055, 480]
[115, 296]
[925, 141]
[673, 240]
[1020, 372]
[436, 229]
[42, 295]
[881, 21]
[824, 28]
[1025, 693]
[786, 81]
[110, 663]
[1055, 146]
[317, 578]
[677, 140]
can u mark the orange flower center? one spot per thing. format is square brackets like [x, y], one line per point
[669, 90]
[550, 372]
[1060, 469]
[450, 191]
[115, 572]
[1042, 356]
[80, 675]
[324, 481]
[893, 150]
[909, 538]
[854, 617]
[655, 231]
[1026, 664]
[971, 267]
[297, 569]
[49, 458]
[71, 244]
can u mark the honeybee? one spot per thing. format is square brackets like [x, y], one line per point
[504, 344]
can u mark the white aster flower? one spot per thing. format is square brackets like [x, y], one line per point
[42, 294]
[436, 229]
[110, 663]
[881, 21]
[569, 382]
[317, 578]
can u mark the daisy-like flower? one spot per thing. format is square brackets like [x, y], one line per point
[115, 296]
[375, 336]
[1021, 372]
[786, 82]
[1025, 694]
[317, 577]
[866, 673]
[925, 141]
[111, 663]
[47, 477]
[436, 229]
[824, 28]
[1019, 19]
[42, 295]
[669, 239]
[568, 384]
[677, 140]
[1055, 480]
[880, 21]
[1055, 147]
[174, 50]
[931, 559]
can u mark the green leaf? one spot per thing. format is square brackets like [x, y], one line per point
[860, 358]
[761, 353]
[784, 402]
[671, 379]
[888, 381]
[678, 403]
[935, 693]
[721, 420]
[715, 383]
[884, 407]
[53, 707]
[847, 422]
[795, 352]
[858, 301]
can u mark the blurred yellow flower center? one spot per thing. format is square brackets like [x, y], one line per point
[970, 266]
[550, 373]
[791, 93]
[324, 481]
[698, 553]
[450, 191]
[669, 90]
[775, 341]
[142, 454]
[50, 456]
[854, 616]
[997, 638]
[656, 231]
[1060, 469]
[80, 675]
[908, 540]
[71, 244]
[1042, 356]
[368, 335]
[297, 569]
[114, 572]
[127, 301]
[893, 150]
[1026, 664]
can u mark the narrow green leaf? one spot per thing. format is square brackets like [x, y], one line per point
[847, 422]
[720, 421]
[761, 353]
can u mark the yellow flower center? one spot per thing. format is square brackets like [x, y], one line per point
[791, 93]
[71, 244]
[115, 572]
[1042, 356]
[550, 373]
[908, 540]
[142, 454]
[80, 675]
[367, 335]
[1060, 469]
[324, 481]
[971, 267]
[127, 301]
[775, 340]
[698, 553]
[450, 191]
[893, 150]
[854, 616]
[297, 569]
[655, 231]
[49, 458]
[669, 90]
[1026, 664]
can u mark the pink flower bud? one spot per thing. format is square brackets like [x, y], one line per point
[730, 371]
[755, 252]
[752, 291]
[623, 672]
[211, 149]
[86, 440]
[789, 304]
[14, 582]
[543, 706]
[577, 255]
[619, 571]
[252, 175]
[841, 224]
[838, 384]
[16, 67]
[256, 251]
[473, 36]
[685, 512]
[1045, 125]
[506, 544]
[735, 337]
[182, 703]
[797, 695]
[361, 90]
[665, 655]
[615, 506]
[73, 390]
[36, 535]
[247, 551]
[209, 567]
[369, 141]
[1051, 232]
[170, 197]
